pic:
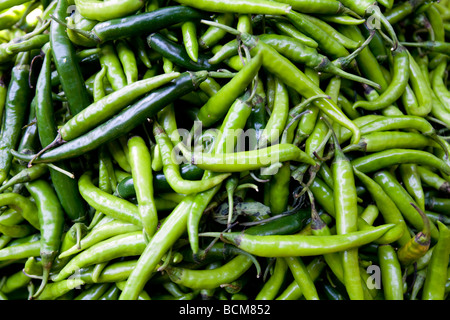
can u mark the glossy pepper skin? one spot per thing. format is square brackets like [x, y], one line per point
[126, 120]
[17, 99]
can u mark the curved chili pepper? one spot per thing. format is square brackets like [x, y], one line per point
[384, 159]
[346, 212]
[383, 140]
[436, 277]
[391, 274]
[106, 107]
[213, 35]
[402, 200]
[17, 101]
[141, 171]
[189, 32]
[164, 238]
[77, 21]
[239, 6]
[332, 47]
[55, 290]
[247, 160]
[51, 223]
[65, 187]
[400, 77]
[22, 205]
[413, 183]
[235, 120]
[285, 28]
[101, 11]
[433, 179]
[107, 203]
[98, 234]
[327, 7]
[302, 277]
[418, 245]
[171, 169]
[21, 251]
[177, 53]
[66, 63]
[128, 61]
[213, 278]
[124, 121]
[366, 60]
[218, 105]
[123, 245]
[299, 245]
[421, 89]
[273, 284]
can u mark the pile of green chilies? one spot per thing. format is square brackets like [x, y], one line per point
[224, 150]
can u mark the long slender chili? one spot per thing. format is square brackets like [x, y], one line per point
[51, 221]
[17, 101]
[66, 62]
[124, 121]
[66, 187]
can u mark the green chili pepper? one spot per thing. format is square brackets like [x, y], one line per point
[384, 159]
[107, 203]
[210, 278]
[403, 200]
[100, 233]
[217, 106]
[240, 6]
[366, 60]
[123, 245]
[65, 187]
[51, 222]
[189, 31]
[418, 245]
[171, 169]
[114, 69]
[166, 235]
[213, 35]
[380, 141]
[412, 181]
[128, 61]
[22, 205]
[143, 178]
[391, 274]
[101, 11]
[332, 47]
[272, 286]
[278, 117]
[346, 212]
[141, 23]
[17, 101]
[285, 28]
[433, 179]
[21, 251]
[436, 277]
[247, 160]
[124, 121]
[67, 65]
[400, 77]
[106, 107]
[293, 291]
[299, 245]
[77, 21]
[57, 289]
